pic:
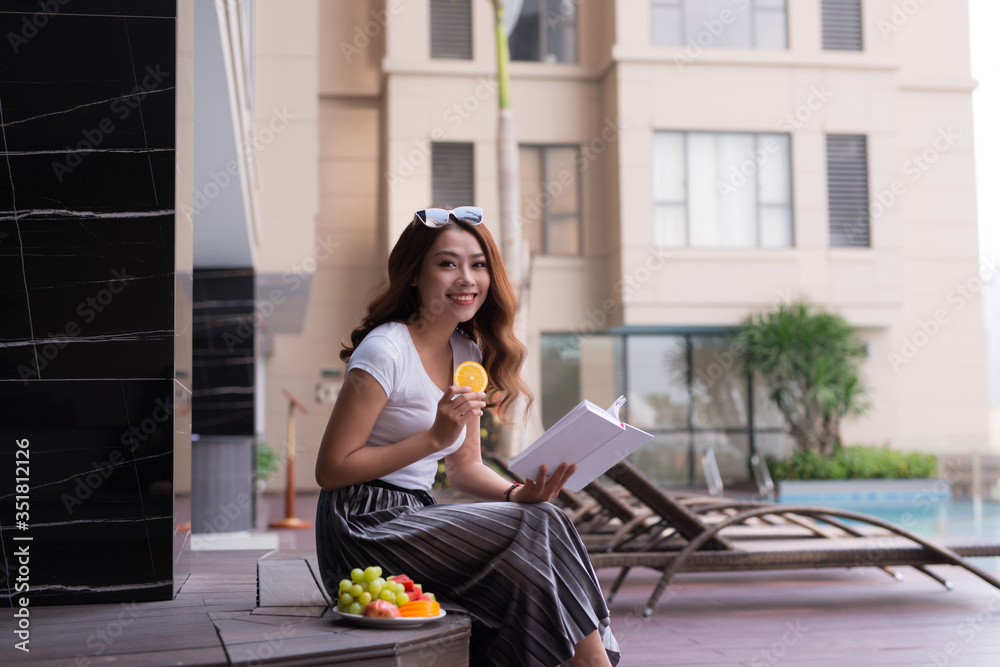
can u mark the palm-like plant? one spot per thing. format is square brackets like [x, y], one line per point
[808, 358]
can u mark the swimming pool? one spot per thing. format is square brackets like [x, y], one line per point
[947, 518]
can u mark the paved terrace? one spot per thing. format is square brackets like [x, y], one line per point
[816, 618]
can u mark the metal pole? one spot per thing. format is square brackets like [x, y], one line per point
[290, 520]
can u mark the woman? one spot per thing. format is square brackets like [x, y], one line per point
[516, 563]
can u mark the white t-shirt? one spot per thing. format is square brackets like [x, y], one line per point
[388, 355]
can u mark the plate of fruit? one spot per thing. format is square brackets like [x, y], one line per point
[395, 602]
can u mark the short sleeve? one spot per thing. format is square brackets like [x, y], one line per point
[379, 357]
[465, 348]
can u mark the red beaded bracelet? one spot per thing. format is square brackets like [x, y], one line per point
[506, 495]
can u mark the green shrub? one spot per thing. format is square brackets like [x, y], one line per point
[857, 462]
[810, 362]
[268, 461]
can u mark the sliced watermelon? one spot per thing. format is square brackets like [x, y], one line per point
[405, 580]
[414, 595]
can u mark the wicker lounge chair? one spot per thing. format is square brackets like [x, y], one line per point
[694, 544]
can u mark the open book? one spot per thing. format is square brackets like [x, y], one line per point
[588, 436]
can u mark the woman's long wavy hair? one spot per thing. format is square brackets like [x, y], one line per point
[492, 327]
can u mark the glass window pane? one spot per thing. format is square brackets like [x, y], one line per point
[774, 445]
[693, 16]
[560, 28]
[733, 149]
[532, 198]
[560, 360]
[774, 174]
[525, 40]
[668, 167]
[664, 459]
[564, 235]
[656, 368]
[765, 413]
[670, 226]
[729, 26]
[702, 171]
[667, 26]
[719, 388]
[771, 30]
[738, 220]
[601, 380]
[561, 176]
[732, 451]
[737, 205]
[776, 226]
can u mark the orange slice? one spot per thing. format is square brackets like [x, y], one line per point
[471, 374]
[420, 608]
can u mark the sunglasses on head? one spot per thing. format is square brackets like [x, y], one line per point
[439, 217]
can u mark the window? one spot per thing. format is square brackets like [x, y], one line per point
[451, 29]
[722, 190]
[686, 389]
[847, 190]
[560, 360]
[746, 24]
[452, 175]
[842, 25]
[545, 32]
[550, 199]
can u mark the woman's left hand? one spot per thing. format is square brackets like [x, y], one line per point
[540, 490]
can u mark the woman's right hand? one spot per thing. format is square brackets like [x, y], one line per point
[459, 407]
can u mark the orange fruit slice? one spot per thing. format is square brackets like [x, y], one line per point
[420, 608]
[470, 374]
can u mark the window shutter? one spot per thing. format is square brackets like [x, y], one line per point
[452, 175]
[451, 29]
[842, 25]
[847, 187]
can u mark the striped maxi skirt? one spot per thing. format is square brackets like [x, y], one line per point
[520, 570]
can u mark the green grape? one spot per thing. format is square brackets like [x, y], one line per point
[356, 609]
[357, 574]
[365, 598]
[346, 599]
[371, 574]
[401, 599]
[378, 571]
[387, 595]
[345, 585]
[356, 591]
[375, 587]
[343, 607]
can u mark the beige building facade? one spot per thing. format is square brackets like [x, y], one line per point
[683, 164]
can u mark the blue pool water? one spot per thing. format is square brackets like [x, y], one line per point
[952, 518]
[948, 518]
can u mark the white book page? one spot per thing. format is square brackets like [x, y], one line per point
[588, 436]
[579, 433]
[605, 458]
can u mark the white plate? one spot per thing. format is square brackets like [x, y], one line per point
[380, 622]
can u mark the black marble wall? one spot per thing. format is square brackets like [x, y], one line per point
[89, 401]
[223, 352]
